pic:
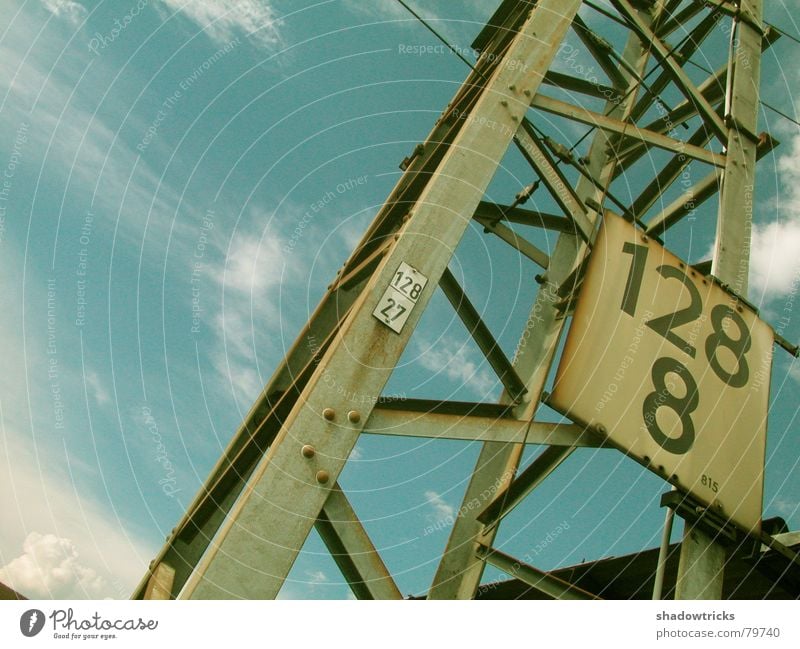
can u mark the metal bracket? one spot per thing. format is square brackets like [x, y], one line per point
[703, 517]
[747, 18]
[727, 288]
[736, 125]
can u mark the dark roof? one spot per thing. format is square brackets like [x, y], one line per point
[768, 575]
[9, 593]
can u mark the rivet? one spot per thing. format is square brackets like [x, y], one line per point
[354, 416]
[512, 87]
[601, 429]
[329, 414]
[514, 118]
[308, 451]
[323, 477]
[739, 309]
[526, 92]
[503, 102]
[644, 238]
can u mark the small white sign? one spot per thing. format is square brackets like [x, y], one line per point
[400, 297]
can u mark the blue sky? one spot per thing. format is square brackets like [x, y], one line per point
[181, 182]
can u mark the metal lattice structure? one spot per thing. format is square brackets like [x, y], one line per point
[278, 476]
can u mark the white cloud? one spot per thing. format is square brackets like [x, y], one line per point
[775, 262]
[50, 568]
[316, 577]
[459, 23]
[72, 545]
[96, 388]
[223, 20]
[73, 12]
[455, 361]
[248, 271]
[442, 510]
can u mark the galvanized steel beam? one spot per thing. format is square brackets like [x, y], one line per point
[459, 572]
[352, 550]
[702, 558]
[433, 425]
[542, 581]
[255, 546]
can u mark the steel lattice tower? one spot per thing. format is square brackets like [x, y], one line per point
[278, 477]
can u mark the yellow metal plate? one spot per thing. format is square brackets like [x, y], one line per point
[672, 369]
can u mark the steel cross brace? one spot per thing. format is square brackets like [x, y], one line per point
[459, 571]
[257, 542]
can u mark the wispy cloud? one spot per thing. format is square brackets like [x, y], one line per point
[457, 362]
[73, 12]
[442, 510]
[249, 270]
[316, 577]
[95, 388]
[223, 20]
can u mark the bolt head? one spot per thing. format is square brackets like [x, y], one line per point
[308, 451]
[329, 414]
[323, 477]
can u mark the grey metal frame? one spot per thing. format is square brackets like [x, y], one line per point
[278, 477]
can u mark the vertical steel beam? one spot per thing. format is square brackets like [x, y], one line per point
[257, 544]
[702, 559]
[459, 573]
